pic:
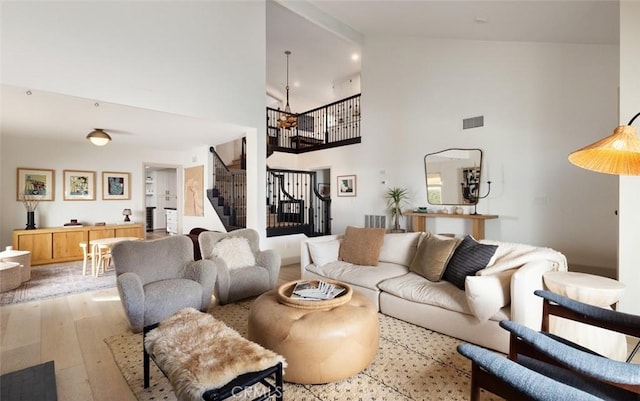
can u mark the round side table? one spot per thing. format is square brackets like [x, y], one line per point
[21, 257]
[594, 290]
[9, 276]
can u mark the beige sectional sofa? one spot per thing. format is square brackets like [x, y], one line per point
[501, 290]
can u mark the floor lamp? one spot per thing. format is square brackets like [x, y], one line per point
[618, 154]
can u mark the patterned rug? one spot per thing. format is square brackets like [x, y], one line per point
[412, 364]
[56, 280]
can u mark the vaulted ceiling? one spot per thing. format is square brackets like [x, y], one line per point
[323, 37]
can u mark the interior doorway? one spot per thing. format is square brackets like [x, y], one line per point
[161, 200]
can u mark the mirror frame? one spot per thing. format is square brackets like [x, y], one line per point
[470, 192]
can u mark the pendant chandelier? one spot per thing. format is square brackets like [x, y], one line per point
[287, 119]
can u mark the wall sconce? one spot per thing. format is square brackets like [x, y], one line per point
[98, 137]
[126, 213]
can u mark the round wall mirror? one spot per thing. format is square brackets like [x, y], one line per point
[453, 176]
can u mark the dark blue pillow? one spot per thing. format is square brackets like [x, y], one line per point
[469, 257]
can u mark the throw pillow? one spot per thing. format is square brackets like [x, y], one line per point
[469, 257]
[399, 248]
[324, 252]
[486, 295]
[235, 251]
[361, 246]
[432, 256]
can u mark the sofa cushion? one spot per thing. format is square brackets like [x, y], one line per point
[323, 252]
[235, 251]
[416, 288]
[469, 257]
[363, 276]
[399, 248]
[432, 256]
[486, 295]
[361, 246]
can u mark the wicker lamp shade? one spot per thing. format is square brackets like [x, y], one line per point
[619, 153]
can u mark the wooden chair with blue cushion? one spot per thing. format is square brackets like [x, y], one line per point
[542, 366]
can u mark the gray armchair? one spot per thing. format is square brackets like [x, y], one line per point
[238, 283]
[157, 278]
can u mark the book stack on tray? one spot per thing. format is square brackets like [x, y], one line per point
[316, 291]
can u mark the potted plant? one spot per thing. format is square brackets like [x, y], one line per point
[397, 197]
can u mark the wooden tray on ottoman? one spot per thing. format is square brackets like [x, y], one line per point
[285, 290]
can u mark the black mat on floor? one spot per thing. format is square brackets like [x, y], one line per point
[30, 384]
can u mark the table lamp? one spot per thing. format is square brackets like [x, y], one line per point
[126, 213]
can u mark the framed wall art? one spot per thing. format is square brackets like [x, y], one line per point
[194, 191]
[79, 185]
[116, 186]
[347, 185]
[36, 182]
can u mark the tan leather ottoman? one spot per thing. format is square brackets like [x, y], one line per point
[320, 345]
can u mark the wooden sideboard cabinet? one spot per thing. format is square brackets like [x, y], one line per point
[52, 245]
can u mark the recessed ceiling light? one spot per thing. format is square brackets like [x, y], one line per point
[355, 57]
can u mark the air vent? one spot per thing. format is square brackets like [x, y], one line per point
[375, 221]
[473, 122]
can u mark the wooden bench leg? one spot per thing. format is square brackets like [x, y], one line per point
[145, 355]
[279, 384]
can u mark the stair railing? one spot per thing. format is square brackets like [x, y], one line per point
[294, 204]
[230, 186]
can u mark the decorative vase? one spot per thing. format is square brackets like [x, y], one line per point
[31, 220]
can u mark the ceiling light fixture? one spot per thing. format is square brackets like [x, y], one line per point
[98, 137]
[287, 119]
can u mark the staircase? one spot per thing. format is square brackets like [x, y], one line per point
[228, 195]
[293, 203]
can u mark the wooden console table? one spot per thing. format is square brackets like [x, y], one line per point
[420, 221]
[58, 244]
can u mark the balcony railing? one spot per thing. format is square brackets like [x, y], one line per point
[335, 124]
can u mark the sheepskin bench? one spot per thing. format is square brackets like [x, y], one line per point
[205, 359]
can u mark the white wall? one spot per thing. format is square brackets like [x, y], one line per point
[540, 102]
[629, 266]
[178, 57]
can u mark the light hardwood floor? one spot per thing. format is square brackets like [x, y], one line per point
[71, 330]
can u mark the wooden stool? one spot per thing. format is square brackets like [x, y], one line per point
[203, 358]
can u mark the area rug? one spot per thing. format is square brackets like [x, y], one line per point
[412, 364]
[55, 280]
[35, 383]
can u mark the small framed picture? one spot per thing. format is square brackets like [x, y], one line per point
[35, 182]
[116, 186]
[347, 185]
[324, 189]
[79, 185]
